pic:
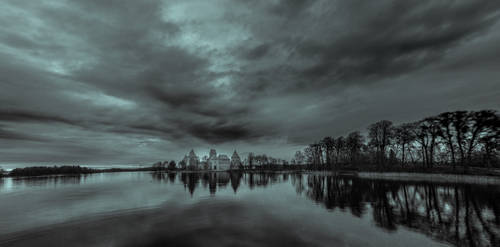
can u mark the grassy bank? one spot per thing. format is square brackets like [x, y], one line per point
[435, 170]
[433, 177]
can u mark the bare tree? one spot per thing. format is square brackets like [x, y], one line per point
[448, 133]
[482, 124]
[461, 128]
[317, 154]
[299, 158]
[354, 142]
[328, 144]
[380, 134]
[426, 132]
[403, 136]
[182, 164]
[171, 165]
[251, 158]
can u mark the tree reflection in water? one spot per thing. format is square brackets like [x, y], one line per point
[461, 214]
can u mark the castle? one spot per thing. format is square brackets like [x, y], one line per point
[212, 162]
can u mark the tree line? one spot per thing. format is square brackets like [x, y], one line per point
[451, 139]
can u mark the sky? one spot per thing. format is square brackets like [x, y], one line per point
[125, 81]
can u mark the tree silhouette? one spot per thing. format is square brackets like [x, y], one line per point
[380, 134]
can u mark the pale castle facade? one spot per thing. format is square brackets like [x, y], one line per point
[213, 162]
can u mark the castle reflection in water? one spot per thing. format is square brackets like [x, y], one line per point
[461, 214]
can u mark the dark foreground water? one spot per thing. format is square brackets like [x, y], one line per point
[222, 209]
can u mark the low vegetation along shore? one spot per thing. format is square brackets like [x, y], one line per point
[63, 170]
[365, 172]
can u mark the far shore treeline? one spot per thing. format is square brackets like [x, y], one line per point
[451, 142]
[447, 141]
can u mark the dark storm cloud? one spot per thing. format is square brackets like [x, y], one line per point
[217, 133]
[257, 52]
[291, 8]
[23, 116]
[403, 36]
[350, 41]
[217, 129]
[9, 135]
[178, 98]
[136, 80]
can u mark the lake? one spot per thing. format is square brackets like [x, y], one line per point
[244, 209]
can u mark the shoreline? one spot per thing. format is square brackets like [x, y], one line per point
[432, 177]
[415, 176]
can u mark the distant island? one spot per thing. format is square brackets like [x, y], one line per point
[63, 170]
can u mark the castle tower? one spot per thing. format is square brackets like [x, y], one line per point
[235, 160]
[193, 160]
[213, 154]
[213, 161]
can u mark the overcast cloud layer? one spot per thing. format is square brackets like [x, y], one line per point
[99, 81]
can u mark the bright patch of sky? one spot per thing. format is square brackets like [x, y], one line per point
[101, 99]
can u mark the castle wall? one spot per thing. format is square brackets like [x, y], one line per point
[224, 163]
[214, 162]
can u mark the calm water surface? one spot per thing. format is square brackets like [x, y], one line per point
[263, 209]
